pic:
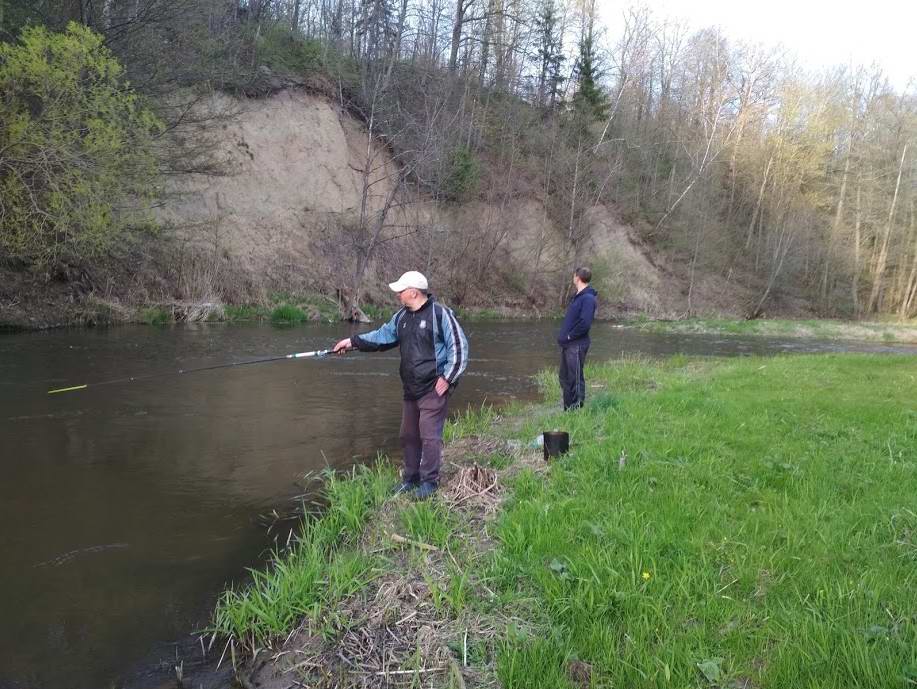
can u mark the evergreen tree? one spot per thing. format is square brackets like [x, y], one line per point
[550, 54]
[589, 102]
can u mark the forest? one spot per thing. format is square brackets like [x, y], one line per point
[733, 158]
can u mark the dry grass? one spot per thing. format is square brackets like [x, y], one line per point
[411, 626]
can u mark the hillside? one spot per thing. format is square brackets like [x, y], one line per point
[278, 218]
[162, 160]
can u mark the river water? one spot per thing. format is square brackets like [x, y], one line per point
[125, 509]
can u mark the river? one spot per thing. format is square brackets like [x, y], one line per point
[125, 509]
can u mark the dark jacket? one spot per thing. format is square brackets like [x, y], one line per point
[578, 319]
[432, 345]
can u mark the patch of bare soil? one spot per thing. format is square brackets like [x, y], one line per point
[402, 631]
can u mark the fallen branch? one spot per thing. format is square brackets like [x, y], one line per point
[409, 672]
[423, 546]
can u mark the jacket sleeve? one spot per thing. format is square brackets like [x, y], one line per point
[380, 339]
[456, 347]
[584, 321]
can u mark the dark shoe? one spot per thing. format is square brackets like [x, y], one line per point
[424, 490]
[404, 487]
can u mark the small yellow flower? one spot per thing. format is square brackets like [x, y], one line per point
[646, 576]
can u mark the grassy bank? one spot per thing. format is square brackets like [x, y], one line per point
[281, 309]
[890, 331]
[733, 523]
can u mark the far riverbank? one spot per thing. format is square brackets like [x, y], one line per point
[821, 329]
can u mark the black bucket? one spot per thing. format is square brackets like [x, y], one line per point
[556, 443]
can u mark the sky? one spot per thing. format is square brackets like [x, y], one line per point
[821, 33]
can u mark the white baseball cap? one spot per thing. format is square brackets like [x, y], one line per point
[410, 279]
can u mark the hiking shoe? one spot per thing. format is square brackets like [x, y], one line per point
[424, 490]
[404, 487]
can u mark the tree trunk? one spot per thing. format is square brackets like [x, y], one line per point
[571, 230]
[910, 287]
[485, 46]
[855, 287]
[457, 25]
[757, 211]
[396, 52]
[882, 257]
[781, 249]
[832, 238]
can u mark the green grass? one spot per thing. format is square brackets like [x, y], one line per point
[318, 569]
[283, 308]
[320, 308]
[762, 531]
[889, 332]
[233, 313]
[155, 315]
[287, 52]
[427, 522]
[471, 422]
[746, 522]
[287, 314]
[472, 314]
[482, 315]
[313, 306]
[378, 313]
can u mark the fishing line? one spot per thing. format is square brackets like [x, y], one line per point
[298, 355]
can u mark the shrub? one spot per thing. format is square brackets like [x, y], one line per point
[464, 175]
[155, 315]
[287, 314]
[284, 51]
[76, 146]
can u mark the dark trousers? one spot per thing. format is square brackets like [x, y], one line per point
[572, 381]
[422, 424]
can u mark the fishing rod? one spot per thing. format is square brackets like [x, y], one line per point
[298, 355]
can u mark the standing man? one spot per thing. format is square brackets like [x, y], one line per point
[434, 353]
[573, 339]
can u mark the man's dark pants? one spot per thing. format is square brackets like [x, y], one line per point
[572, 381]
[422, 424]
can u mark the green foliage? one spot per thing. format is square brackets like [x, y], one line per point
[589, 102]
[13, 16]
[550, 53]
[75, 146]
[730, 522]
[155, 315]
[497, 460]
[823, 329]
[376, 312]
[287, 314]
[316, 571]
[471, 423]
[427, 522]
[478, 314]
[243, 312]
[285, 51]
[532, 663]
[464, 175]
[320, 307]
[452, 595]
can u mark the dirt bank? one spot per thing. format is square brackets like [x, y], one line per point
[274, 209]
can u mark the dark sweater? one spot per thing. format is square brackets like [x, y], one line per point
[578, 319]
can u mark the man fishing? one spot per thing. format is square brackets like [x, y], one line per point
[573, 339]
[434, 354]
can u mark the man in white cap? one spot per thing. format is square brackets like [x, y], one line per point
[434, 354]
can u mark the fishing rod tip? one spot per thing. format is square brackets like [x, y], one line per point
[75, 387]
